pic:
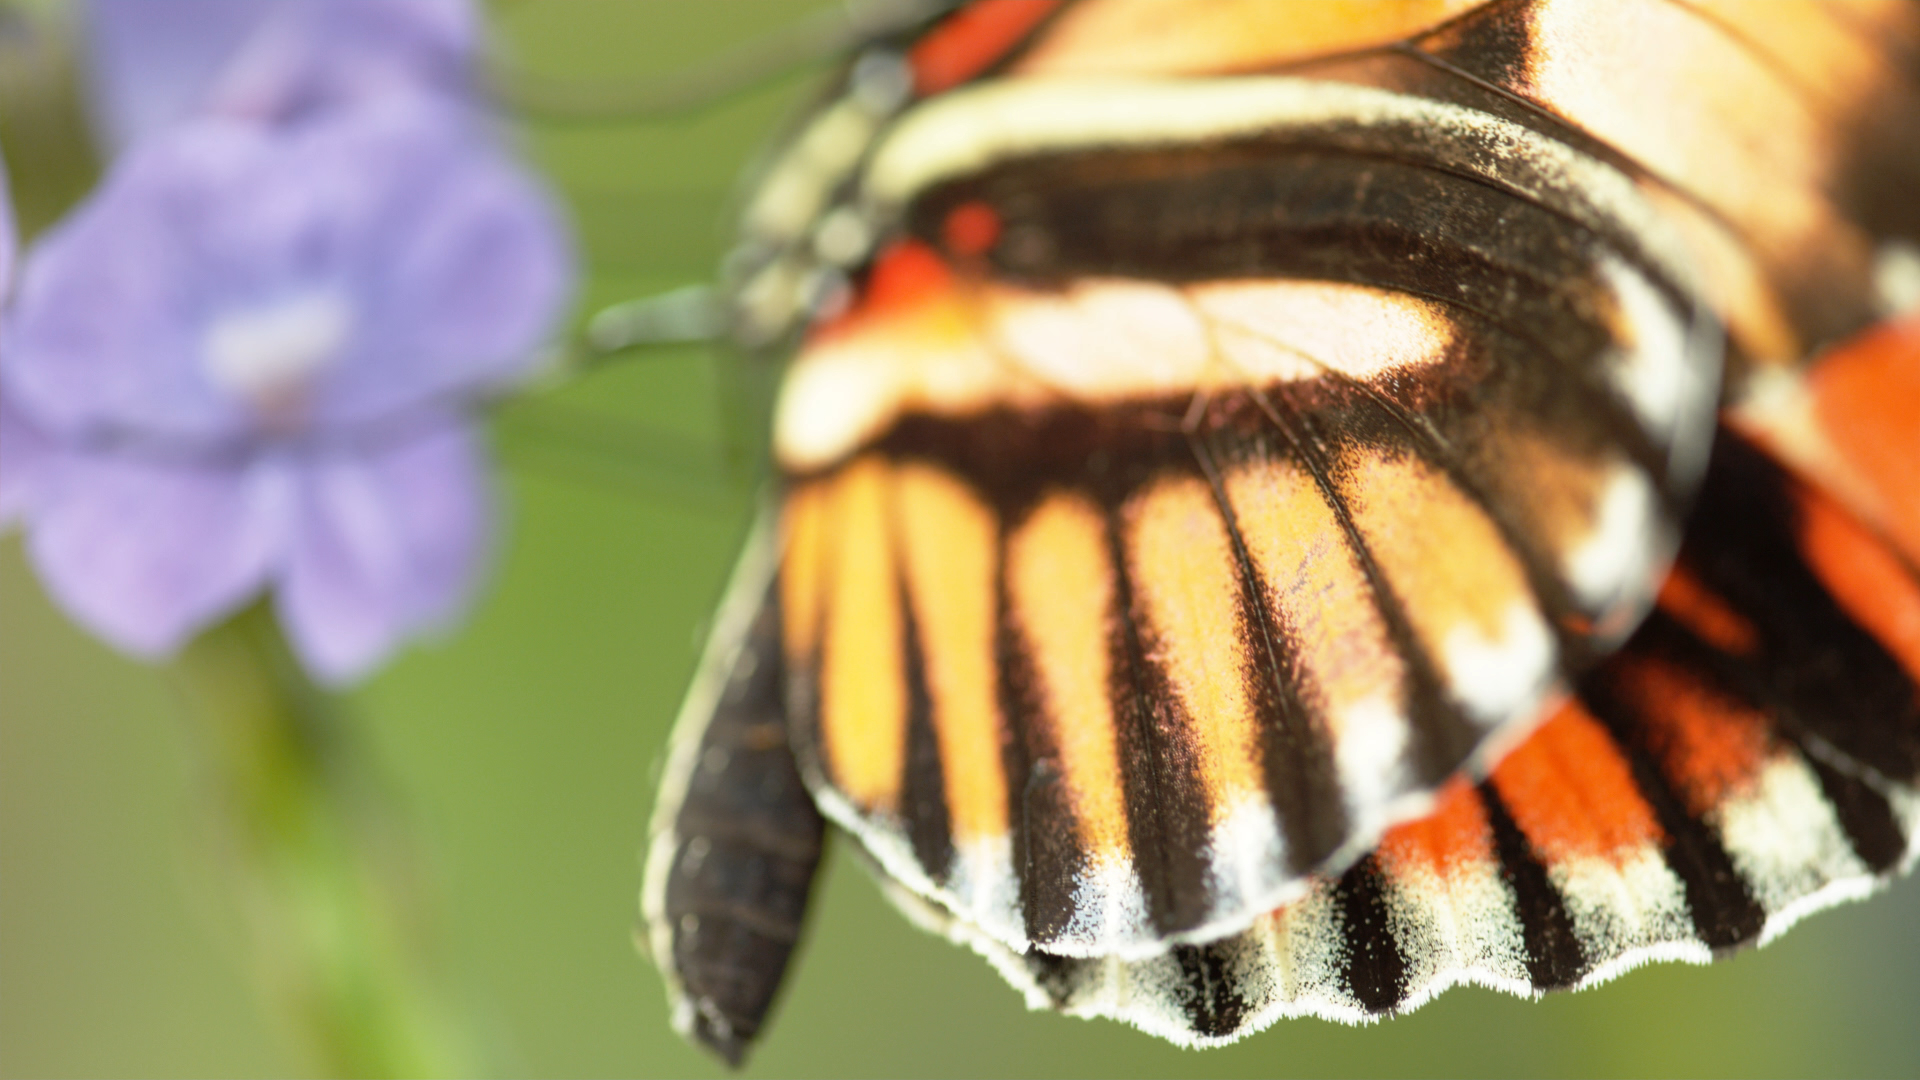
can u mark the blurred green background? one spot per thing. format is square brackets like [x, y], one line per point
[524, 752]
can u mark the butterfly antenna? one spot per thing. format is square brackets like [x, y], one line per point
[536, 96]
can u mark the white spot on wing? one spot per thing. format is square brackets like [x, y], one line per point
[1653, 369]
[1784, 839]
[1370, 756]
[1612, 570]
[1109, 915]
[1107, 338]
[1624, 906]
[1896, 277]
[833, 399]
[1248, 854]
[983, 885]
[1457, 927]
[1312, 938]
[1503, 676]
[1311, 328]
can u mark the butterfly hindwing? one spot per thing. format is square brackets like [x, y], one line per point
[1709, 785]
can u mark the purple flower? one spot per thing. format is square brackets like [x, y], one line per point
[247, 355]
[24, 450]
[19, 442]
[155, 63]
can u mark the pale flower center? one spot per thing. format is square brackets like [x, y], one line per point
[269, 354]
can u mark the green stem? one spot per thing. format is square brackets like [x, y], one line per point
[319, 865]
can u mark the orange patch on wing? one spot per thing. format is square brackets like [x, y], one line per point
[905, 275]
[972, 228]
[803, 569]
[1572, 793]
[1564, 490]
[1442, 555]
[1153, 37]
[1710, 746]
[1317, 588]
[1061, 587]
[1453, 837]
[1867, 398]
[863, 685]
[1186, 580]
[972, 41]
[1592, 515]
[1686, 598]
[1865, 576]
[950, 545]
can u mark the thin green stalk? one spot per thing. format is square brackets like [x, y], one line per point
[320, 866]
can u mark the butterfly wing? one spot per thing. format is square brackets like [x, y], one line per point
[1749, 756]
[1212, 466]
[1173, 413]
[1118, 603]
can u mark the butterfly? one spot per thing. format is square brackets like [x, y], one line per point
[1284, 509]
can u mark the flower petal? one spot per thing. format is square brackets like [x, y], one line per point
[470, 266]
[153, 65]
[107, 326]
[145, 553]
[388, 544]
[445, 262]
[25, 454]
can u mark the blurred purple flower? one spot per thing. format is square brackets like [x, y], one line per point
[18, 441]
[248, 352]
[23, 454]
[155, 63]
